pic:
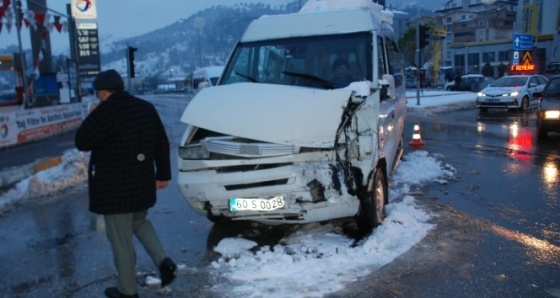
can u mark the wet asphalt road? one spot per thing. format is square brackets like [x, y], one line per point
[497, 231]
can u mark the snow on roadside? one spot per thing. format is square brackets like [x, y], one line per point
[321, 259]
[71, 171]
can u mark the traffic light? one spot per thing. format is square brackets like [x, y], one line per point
[130, 55]
[423, 36]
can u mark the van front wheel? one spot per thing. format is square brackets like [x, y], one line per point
[372, 203]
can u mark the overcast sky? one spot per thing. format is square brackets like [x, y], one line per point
[131, 17]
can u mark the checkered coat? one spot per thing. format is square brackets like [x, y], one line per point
[129, 151]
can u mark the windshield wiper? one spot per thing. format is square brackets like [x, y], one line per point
[247, 77]
[324, 83]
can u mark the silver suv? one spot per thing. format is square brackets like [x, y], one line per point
[304, 126]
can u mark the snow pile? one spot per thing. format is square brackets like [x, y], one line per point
[418, 167]
[70, 172]
[321, 259]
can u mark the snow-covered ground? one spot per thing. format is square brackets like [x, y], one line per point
[314, 261]
[321, 259]
[317, 259]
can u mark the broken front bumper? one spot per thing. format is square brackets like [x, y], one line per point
[312, 192]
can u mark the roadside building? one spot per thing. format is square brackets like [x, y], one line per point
[482, 31]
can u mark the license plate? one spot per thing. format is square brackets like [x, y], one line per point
[254, 204]
[492, 100]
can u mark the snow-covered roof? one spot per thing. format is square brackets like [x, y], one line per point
[210, 71]
[321, 17]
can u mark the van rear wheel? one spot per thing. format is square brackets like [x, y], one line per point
[372, 203]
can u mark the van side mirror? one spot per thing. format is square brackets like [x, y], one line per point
[387, 87]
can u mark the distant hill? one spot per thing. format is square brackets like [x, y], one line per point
[174, 50]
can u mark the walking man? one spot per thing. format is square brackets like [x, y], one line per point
[129, 162]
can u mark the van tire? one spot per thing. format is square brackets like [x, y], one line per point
[219, 220]
[372, 203]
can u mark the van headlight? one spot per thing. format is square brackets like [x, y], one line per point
[196, 151]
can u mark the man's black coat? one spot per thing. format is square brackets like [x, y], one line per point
[129, 151]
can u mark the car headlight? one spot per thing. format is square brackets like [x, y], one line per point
[514, 93]
[194, 152]
[551, 114]
[480, 94]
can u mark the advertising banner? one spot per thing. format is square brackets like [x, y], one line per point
[23, 126]
[8, 131]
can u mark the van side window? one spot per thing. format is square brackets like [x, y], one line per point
[395, 63]
[381, 66]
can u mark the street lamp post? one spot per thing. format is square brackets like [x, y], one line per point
[199, 23]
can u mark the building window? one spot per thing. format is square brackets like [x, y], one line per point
[488, 57]
[473, 63]
[463, 17]
[459, 62]
[504, 56]
[481, 24]
[449, 20]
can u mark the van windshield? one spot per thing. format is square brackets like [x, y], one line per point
[321, 62]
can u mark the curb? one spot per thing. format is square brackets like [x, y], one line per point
[17, 174]
[443, 107]
[48, 163]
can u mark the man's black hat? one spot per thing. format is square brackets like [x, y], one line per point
[108, 80]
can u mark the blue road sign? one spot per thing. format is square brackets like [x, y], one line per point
[515, 57]
[522, 41]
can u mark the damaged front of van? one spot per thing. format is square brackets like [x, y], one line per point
[291, 158]
[278, 142]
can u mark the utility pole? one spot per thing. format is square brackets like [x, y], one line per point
[26, 100]
[419, 66]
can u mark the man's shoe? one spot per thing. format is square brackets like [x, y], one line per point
[167, 271]
[113, 292]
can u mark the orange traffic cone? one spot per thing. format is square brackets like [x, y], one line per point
[416, 141]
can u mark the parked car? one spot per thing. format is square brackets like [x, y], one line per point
[410, 83]
[548, 114]
[475, 83]
[277, 142]
[469, 82]
[511, 92]
[552, 69]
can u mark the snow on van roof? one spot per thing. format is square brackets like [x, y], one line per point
[322, 17]
[323, 5]
[376, 10]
